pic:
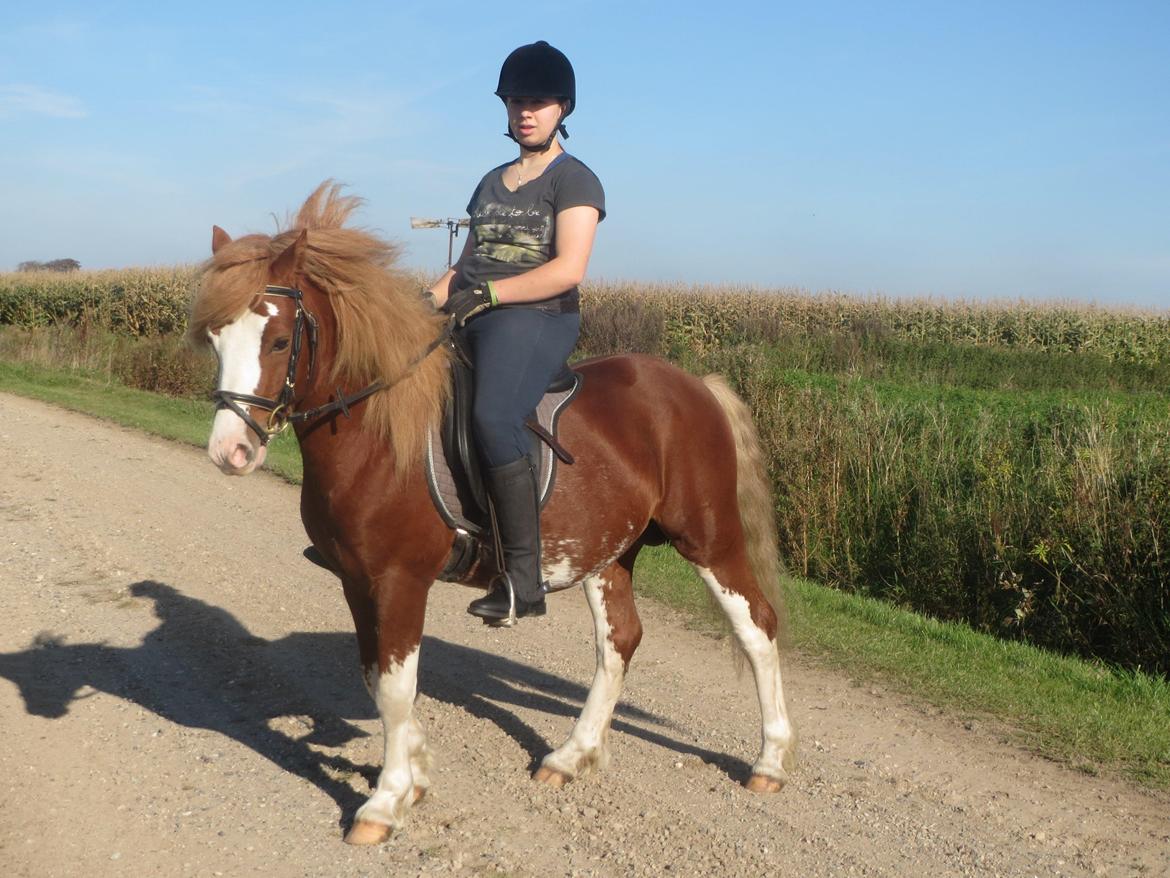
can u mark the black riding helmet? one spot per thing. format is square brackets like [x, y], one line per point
[538, 70]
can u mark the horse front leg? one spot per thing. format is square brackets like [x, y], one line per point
[618, 631]
[365, 623]
[405, 759]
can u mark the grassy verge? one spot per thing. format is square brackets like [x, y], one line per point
[1088, 716]
[1081, 713]
[1031, 514]
[183, 420]
[1021, 487]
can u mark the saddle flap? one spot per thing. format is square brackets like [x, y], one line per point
[454, 472]
[458, 444]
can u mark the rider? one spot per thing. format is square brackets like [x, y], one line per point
[513, 292]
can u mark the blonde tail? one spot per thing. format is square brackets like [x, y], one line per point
[754, 495]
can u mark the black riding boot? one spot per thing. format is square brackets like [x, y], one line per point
[517, 593]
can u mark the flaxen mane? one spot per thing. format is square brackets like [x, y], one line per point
[382, 324]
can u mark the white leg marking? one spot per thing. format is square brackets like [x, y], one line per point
[778, 739]
[237, 345]
[394, 696]
[588, 744]
[420, 755]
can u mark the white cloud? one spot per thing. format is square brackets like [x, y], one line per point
[22, 99]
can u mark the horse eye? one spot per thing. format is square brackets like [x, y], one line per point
[281, 344]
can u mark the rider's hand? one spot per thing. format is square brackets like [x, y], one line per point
[466, 304]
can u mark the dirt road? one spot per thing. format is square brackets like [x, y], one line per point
[179, 696]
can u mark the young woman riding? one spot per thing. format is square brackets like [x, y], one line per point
[513, 294]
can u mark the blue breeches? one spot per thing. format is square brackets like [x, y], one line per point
[517, 352]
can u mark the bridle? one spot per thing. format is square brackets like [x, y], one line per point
[280, 410]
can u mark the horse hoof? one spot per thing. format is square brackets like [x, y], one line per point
[551, 776]
[759, 783]
[419, 792]
[365, 832]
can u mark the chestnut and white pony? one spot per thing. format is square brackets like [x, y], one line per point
[307, 320]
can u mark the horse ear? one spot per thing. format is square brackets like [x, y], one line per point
[218, 239]
[288, 264]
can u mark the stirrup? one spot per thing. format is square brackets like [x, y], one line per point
[516, 608]
[490, 615]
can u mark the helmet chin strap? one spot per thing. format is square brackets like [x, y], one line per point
[544, 147]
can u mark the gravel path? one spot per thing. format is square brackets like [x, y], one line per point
[179, 695]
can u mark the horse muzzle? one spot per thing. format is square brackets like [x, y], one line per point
[233, 447]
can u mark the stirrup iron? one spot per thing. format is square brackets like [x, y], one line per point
[508, 621]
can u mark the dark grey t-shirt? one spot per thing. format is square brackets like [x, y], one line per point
[514, 232]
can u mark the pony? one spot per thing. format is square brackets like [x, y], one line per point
[661, 456]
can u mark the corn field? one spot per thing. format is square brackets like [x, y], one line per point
[705, 318]
[154, 302]
[138, 302]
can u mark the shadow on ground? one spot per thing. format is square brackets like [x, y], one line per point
[201, 668]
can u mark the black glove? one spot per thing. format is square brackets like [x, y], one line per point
[465, 304]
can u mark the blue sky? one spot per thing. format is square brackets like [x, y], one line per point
[981, 150]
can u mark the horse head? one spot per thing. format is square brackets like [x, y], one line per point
[375, 366]
[258, 350]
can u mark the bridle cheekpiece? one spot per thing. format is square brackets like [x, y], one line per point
[280, 413]
[280, 410]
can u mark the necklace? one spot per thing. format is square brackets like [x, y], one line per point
[536, 171]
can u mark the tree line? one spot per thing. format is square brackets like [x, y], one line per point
[53, 265]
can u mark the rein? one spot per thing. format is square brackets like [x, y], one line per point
[280, 410]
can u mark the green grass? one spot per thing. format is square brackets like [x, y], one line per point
[1039, 514]
[183, 420]
[1084, 714]
[1088, 716]
[984, 367]
[907, 379]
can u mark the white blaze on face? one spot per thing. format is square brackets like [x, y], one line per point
[233, 447]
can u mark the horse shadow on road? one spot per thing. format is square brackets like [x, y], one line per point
[201, 668]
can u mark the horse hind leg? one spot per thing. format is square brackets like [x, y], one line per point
[618, 631]
[753, 622]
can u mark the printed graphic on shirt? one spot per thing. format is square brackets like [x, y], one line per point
[515, 235]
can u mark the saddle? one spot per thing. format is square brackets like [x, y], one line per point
[453, 470]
